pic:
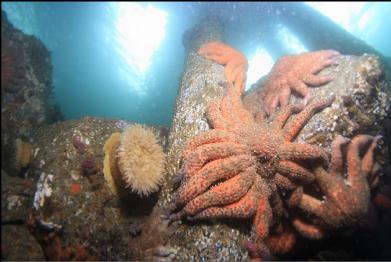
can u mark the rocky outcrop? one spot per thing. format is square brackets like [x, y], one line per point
[26, 85]
[65, 202]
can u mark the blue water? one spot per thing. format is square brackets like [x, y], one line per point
[91, 77]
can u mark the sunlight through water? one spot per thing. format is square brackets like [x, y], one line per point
[139, 29]
[345, 14]
[292, 42]
[259, 65]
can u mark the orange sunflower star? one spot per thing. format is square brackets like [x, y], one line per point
[296, 73]
[235, 62]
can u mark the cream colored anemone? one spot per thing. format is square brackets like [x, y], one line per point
[140, 160]
[135, 160]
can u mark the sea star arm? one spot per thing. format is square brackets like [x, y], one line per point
[317, 80]
[336, 162]
[282, 99]
[209, 152]
[209, 174]
[261, 223]
[228, 112]
[262, 218]
[322, 59]
[210, 137]
[244, 208]
[232, 108]
[280, 120]
[235, 62]
[215, 51]
[276, 203]
[368, 166]
[295, 73]
[238, 72]
[299, 87]
[225, 193]
[308, 230]
[356, 177]
[214, 116]
[300, 151]
[301, 119]
[215, 57]
[312, 205]
[346, 199]
[283, 182]
[295, 172]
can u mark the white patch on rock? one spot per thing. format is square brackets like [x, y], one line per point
[41, 163]
[36, 152]
[50, 225]
[43, 190]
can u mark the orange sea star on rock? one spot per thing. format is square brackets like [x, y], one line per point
[234, 61]
[347, 201]
[226, 169]
[294, 73]
[239, 167]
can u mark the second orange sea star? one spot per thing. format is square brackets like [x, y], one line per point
[234, 61]
[295, 73]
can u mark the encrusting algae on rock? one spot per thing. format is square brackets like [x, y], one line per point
[134, 159]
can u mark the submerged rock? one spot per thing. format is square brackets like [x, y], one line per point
[26, 84]
[64, 199]
[363, 98]
[17, 244]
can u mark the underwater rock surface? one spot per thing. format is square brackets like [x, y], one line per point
[16, 196]
[64, 199]
[26, 84]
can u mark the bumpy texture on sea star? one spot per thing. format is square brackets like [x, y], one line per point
[347, 200]
[234, 61]
[294, 73]
[225, 169]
